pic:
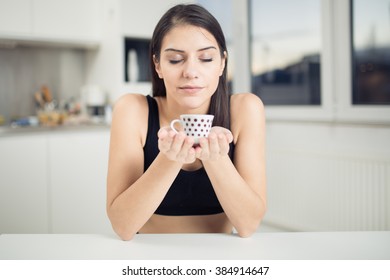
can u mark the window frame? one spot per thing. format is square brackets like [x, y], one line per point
[346, 110]
[336, 71]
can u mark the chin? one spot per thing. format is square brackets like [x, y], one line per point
[195, 103]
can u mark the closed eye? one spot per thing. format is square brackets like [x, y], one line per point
[175, 61]
[207, 59]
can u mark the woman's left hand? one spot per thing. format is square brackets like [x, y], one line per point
[216, 145]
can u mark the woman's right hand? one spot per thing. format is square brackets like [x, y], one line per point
[176, 146]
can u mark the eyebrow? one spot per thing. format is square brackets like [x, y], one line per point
[181, 51]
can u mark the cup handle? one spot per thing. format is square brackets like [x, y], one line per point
[173, 125]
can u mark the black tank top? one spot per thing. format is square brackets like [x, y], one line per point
[191, 193]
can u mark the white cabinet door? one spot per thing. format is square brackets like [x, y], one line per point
[78, 169]
[70, 19]
[70, 22]
[15, 16]
[23, 184]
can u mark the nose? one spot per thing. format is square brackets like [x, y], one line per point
[190, 70]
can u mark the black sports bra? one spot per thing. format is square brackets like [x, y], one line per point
[191, 193]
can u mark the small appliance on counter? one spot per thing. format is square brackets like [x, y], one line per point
[95, 101]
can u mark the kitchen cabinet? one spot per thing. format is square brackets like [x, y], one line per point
[15, 16]
[23, 185]
[54, 181]
[71, 22]
[78, 169]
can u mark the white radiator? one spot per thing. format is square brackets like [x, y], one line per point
[327, 192]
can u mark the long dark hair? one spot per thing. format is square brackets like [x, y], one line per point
[197, 16]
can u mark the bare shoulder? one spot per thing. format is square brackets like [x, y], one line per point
[246, 107]
[246, 102]
[130, 117]
[131, 103]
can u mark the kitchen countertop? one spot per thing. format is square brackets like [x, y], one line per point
[28, 130]
[269, 245]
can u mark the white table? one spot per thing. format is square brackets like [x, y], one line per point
[269, 246]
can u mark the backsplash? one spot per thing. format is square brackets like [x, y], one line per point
[23, 70]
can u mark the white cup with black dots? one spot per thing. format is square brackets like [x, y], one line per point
[195, 125]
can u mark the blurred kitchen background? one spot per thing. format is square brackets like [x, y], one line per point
[321, 67]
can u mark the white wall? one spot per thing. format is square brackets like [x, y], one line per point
[104, 64]
[324, 176]
[138, 18]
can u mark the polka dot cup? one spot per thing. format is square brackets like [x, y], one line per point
[196, 126]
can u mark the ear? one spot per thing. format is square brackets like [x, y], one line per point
[157, 66]
[223, 63]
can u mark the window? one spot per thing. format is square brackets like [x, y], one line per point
[286, 51]
[370, 52]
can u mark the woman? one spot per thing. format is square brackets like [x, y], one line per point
[159, 181]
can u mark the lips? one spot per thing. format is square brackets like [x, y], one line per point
[191, 88]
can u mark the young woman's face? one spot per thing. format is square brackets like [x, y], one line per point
[190, 65]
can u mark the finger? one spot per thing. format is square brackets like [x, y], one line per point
[172, 134]
[165, 140]
[190, 158]
[223, 144]
[162, 133]
[186, 147]
[203, 151]
[188, 143]
[213, 146]
[176, 144]
[229, 137]
[198, 152]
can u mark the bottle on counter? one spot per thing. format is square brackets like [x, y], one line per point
[132, 66]
[108, 114]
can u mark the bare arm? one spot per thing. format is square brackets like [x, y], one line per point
[241, 187]
[132, 195]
